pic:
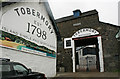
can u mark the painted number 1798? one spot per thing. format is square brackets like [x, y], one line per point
[35, 30]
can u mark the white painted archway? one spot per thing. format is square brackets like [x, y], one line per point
[87, 32]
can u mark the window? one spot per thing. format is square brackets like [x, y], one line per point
[67, 43]
[19, 68]
[89, 50]
[5, 68]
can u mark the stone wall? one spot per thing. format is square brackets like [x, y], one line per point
[107, 31]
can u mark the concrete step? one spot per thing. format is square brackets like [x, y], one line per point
[88, 75]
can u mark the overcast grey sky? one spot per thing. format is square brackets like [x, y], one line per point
[107, 9]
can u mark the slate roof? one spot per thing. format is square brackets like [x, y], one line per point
[88, 13]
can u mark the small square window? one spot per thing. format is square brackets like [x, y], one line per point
[68, 43]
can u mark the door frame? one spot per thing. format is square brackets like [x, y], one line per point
[100, 52]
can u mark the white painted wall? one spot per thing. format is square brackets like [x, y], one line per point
[36, 63]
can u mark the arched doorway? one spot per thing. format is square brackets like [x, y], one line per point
[87, 51]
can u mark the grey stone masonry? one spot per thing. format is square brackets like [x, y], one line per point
[90, 19]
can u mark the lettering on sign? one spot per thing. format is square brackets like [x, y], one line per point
[28, 11]
[29, 30]
[85, 32]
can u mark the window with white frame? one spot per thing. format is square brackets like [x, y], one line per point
[67, 43]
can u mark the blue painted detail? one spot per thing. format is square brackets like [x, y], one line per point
[76, 13]
[35, 50]
[20, 47]
[51, 55]
[47, 54]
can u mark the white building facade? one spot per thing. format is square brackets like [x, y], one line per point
[28, 35]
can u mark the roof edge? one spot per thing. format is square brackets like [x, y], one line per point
[84, 14]
[109, 24]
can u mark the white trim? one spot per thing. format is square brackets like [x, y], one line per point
[85, 32]
[73, 54]
[66, 47]
[100, 54]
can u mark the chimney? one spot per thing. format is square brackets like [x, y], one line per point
[76, 13]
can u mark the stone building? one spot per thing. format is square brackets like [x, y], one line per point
[87, 44]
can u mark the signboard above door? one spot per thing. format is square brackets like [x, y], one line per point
[85, 32]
